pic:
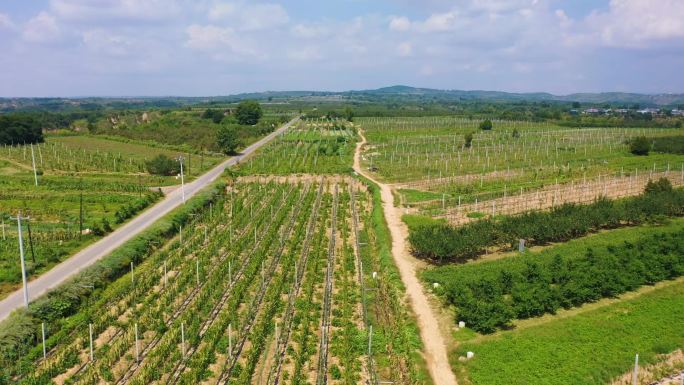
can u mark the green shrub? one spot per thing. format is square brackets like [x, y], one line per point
[640, 145]
[163, 165]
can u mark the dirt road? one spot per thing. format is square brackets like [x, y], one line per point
[434, 346]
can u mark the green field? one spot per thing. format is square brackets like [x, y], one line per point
[589, 347]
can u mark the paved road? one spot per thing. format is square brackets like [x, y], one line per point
[106, 245]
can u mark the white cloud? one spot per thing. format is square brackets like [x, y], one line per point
[105, 42]
[5, 21]
[405, 49]
[214, 39]
[636, 23]
[310, 31]
[401, 23]
[439, 22]
[41, 29]
[93, 10]
[305, 54]
[250, 16]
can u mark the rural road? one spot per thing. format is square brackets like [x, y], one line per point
[434, 345]
[106, 245]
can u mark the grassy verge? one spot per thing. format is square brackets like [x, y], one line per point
[408, 338]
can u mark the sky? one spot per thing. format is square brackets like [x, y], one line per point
[219, 47]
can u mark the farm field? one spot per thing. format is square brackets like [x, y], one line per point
[104, 180]
[314, 146]
[428, 163]
[275, 283]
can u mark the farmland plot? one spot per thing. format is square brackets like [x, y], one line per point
[269, 286]
[313, 146]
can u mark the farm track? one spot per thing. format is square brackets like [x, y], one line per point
[434, 344]
[322, 372]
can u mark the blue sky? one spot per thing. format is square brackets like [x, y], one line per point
[219, 47]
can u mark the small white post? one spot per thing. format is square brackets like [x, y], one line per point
[90, 331]
[230, 341]
[33, 160]
[4, 237]
[132, 274]
[166, 276]
[180, 159]
[635, 375]
[183, 339]
[42, 327]
[137, 347]
[370, 338]
[197, 270]
[180, 234]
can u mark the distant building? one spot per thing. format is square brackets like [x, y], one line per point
[677, 112]
[652, 111]
[592, 111]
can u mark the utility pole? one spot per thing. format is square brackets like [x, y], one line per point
[21, 255]
[180, 159]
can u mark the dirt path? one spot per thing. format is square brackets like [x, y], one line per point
[434, 345]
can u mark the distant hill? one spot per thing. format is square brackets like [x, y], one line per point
[392, 93]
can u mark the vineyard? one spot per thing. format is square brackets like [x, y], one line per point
[313, 146]
[277, 283]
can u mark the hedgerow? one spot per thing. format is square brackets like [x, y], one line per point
[491, 295]
[442, 242]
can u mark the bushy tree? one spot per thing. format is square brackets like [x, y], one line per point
[248, 112]
[215, 115]
[349, 114]
[228, 140]
[486, 125]
[468, 139]
[661, 185]
[163, 165]
[20, 129]
[640, 145]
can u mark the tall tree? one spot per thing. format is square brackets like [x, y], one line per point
[248, 112]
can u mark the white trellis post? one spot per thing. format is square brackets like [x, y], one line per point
[42, 329]
[635, 374]
[90, 332]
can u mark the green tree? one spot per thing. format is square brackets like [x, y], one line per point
[215, 115]
[248, 112]
[163, 165]
[640, 146]
[349, 114]
[486, 125]
[228, 139]
[468, 139]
